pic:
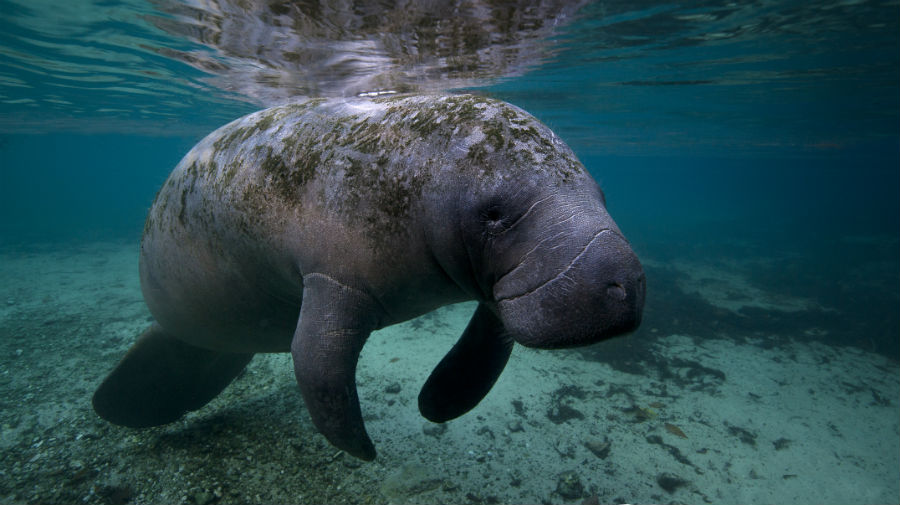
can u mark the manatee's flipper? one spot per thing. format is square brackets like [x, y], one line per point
[468, 371]
[335, 321]
[161, 378]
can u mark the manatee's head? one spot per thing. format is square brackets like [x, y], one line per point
[557, 270]
[540, 247]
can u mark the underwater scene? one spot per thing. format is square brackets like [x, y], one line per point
[742, 346]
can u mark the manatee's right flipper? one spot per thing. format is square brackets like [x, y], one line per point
[161, 378]
[468, 371]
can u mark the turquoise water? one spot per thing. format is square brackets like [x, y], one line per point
[759, 138]
[774, 123]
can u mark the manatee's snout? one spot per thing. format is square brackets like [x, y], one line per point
[597, 295]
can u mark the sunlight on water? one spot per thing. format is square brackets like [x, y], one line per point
[173, 68]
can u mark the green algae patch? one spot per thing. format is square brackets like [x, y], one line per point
[368, 161]
[286, 178]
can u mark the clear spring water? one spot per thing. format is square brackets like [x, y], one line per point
[762, 135]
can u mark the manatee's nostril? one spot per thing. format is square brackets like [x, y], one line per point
[616, 291]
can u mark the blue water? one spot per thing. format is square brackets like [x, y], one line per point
[764, 134]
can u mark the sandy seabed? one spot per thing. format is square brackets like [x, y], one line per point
[713, 420]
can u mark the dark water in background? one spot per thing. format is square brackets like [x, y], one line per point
[766, 133]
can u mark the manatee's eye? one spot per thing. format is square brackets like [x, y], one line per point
[494, 220]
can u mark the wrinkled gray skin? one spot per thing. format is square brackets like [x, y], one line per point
[359, 214]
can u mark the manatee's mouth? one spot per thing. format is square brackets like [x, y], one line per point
[508, 287]
[596, 293]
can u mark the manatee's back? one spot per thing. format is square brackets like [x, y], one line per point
[213, 266]
[328, 186]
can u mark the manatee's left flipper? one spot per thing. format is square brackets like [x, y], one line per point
[335, 320]
[161, 378]
[468, 371]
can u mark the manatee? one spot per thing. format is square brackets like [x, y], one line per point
[304, 227]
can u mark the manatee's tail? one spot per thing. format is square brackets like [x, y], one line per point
[161, 378]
